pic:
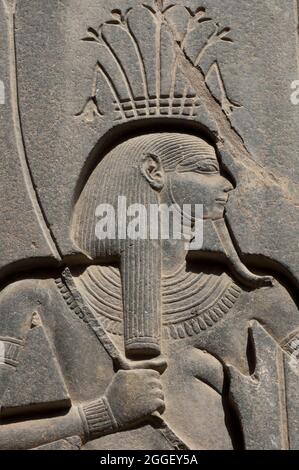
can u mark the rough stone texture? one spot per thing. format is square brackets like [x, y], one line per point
[183, 101]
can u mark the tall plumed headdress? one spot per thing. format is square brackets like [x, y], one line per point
[139, 73]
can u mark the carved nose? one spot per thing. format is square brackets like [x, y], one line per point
[227, 186]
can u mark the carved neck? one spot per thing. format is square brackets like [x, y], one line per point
[174, 256]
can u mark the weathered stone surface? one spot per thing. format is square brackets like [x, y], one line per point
[149, 342]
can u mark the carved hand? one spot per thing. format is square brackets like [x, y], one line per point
[134, 395]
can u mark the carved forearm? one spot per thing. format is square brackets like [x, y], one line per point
[30, 434]
[88, 421]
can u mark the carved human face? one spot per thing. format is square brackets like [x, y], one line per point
[197, 180]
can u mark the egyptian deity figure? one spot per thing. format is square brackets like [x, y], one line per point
[187, 319]
[148, 343]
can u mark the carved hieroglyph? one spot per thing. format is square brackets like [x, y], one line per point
[142, 344]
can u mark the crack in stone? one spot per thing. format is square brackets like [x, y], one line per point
[229, 137]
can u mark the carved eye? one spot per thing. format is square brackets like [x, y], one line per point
[204, 167]
[207, 166]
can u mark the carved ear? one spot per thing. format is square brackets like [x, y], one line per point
[152, 170]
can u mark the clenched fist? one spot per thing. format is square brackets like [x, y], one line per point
[134, 395]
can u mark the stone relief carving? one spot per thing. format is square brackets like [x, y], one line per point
[147, 345]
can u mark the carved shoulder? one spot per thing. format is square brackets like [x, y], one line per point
[19, 301]
[275, 308]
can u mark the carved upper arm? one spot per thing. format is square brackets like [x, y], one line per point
[278, 311]
[18, 303]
